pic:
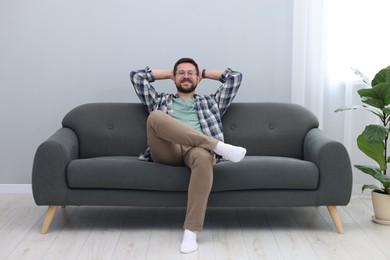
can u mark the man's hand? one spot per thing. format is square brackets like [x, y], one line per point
[200, 74]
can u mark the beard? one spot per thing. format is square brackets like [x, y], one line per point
[190, 89]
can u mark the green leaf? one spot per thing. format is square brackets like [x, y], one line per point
[385, 113]
[386, 110]
[375, 134]
[377, 96]
[382, 76]
[371, 97]
[374, 110]
[373, 150]
[351, 107]
[384, 179]
[370, 186]
[375, 102]
[376, 173]
[384, 92]
[369, 169]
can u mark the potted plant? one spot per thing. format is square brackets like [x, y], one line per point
[373, 141]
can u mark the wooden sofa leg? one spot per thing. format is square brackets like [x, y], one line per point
[336, 218]
[51, 211]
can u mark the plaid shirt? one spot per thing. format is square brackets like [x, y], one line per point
[210, 108]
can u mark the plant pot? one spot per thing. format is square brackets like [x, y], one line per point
[381, 205]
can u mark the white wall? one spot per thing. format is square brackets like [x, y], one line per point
[57, 54]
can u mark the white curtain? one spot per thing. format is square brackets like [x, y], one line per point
[308, 55]
[330, 37]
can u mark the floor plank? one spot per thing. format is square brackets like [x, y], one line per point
[166, 235]
[104, 237]
[35, 245]
[72, 238]
[155, 233]
[19, 214]
[135, 238]
[324, 241]
[379, 235]
[354, 240]
[259, 239]
[288, 234]
[229, 242]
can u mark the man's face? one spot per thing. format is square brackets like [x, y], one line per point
[186, 79]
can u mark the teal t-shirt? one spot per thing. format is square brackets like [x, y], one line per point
[184, 111]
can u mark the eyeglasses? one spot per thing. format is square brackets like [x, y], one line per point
[190, 73]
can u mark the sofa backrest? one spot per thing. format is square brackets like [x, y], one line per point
[274, 129]
[109, 129]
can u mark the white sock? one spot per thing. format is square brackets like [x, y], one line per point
[189, 244]
[231, 152]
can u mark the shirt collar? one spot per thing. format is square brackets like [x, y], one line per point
[177, 96]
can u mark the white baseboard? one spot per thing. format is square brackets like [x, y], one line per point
[15, 188]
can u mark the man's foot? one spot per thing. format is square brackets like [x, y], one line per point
[230, 152]
[189, 244]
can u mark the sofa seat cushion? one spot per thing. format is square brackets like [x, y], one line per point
[252, 173]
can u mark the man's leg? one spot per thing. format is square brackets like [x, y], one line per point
[166, 134]
[162, 128]
[171, 142]
[201, 162]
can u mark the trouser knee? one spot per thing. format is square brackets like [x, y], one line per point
[201, 162]
[154, 115]
[200, 157]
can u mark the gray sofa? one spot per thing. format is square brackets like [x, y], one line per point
[93, 160]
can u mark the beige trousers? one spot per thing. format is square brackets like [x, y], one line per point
[174, 143]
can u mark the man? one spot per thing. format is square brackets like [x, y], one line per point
[186, 129]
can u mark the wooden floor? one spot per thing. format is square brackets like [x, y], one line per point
[147, 233]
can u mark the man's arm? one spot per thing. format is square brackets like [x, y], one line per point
[141, 80]
[162, 74]
[211, 74]
[227, 91]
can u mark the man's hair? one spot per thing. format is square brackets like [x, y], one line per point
[186, 60]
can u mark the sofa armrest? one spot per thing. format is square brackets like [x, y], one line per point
[51, 159]
[334, 165]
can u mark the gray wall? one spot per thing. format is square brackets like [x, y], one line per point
[57, 54]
